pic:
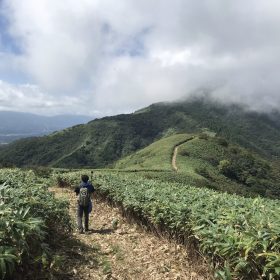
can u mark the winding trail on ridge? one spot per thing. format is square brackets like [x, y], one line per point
[125, 251]
[175, 152]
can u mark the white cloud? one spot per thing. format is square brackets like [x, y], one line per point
[30, 98]
[115, 57]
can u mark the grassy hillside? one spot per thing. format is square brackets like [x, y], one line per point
[228, 167]
[103, 141]
[156, 156]
[208, 161]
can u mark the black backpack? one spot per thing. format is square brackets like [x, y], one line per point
[84, 197]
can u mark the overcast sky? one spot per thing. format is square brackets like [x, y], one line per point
[103, 57]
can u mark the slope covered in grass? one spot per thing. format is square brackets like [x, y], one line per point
[207, 161]
[228, 167]
[102, 142]
[156, 156]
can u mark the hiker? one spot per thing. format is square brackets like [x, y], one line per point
[84, 207]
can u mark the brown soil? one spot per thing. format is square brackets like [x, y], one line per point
[116, 249]
[174, 166]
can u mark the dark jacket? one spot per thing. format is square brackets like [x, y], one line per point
[88, 185]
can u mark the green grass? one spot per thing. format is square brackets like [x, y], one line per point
[246, 174]
[201, 161]
[156, 156]
[240, 236]
[102, 142]
[32, 220]
[198, 154]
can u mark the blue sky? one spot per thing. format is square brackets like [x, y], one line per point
[8, 44]
[9, 48]
[115, 57]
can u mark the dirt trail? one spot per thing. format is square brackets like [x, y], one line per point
[175, 152]
[124, 251]
[174, 166]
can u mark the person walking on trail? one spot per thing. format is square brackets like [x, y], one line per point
[84, 207]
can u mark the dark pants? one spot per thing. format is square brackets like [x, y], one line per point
[80, 212]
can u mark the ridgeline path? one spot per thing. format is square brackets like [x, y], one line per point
[117, 249]
[174, 166]
[175, 152]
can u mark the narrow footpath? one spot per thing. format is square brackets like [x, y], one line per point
[174, 166]
[175, 152]
[116, 249]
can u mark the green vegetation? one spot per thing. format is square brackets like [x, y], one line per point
[228, 167]
[31, 222]
[102, 142]
[205, 160]
[240, 236]
[222, 151]
[156, 156]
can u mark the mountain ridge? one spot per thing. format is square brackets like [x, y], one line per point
[205, 160]
[101, 142]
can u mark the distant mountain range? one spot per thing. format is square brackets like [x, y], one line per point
[103, 141]
[16, 125]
